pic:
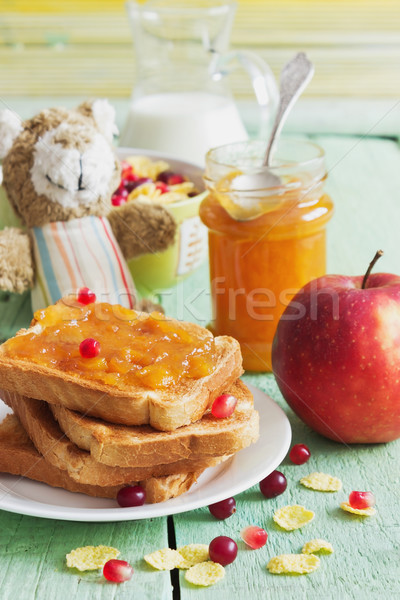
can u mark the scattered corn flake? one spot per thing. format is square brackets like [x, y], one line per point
[90, 558]
[293, 563]
[317, 545]
[365, 512]
[164, 560]
[293, 517]
[322, 482]
[192, 555]
[205, 573]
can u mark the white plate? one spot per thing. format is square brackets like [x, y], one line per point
[245, 469]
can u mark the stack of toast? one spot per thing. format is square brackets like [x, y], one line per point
[72, 430]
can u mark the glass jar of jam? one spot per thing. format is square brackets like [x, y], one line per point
[265, 242]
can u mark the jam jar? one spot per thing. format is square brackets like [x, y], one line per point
[265, 241]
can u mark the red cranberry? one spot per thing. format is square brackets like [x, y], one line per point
[223, 550]
[170, 178]
[164, 176]
[89, 348]
[273, 485]
[126, 172]
[361, 500]
[86, 296]
[223, 509]
[117, 570]
[132, 185]
[175, 179]
[131, 495]
[223, 406]
[131, 177]
[163, 187]
[299, 454]
[254, 536]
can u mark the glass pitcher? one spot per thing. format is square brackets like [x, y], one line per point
[181, 102]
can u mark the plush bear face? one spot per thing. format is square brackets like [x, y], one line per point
[60, 164]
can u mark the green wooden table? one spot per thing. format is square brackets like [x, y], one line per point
[364, 180]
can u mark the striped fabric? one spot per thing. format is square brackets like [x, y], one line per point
[80, 253]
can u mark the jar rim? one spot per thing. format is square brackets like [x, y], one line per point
[261, 145]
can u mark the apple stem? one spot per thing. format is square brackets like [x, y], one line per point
[371, 266]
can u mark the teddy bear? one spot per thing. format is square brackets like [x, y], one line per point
[59, 172]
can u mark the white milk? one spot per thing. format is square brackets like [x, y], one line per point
[185, 124]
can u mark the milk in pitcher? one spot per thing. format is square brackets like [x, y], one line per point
[184, 124]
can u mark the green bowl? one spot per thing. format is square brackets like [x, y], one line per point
[156, 272]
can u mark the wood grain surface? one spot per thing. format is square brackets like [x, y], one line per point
[364, 181]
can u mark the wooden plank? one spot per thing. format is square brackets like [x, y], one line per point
[363, 563]
[363, 179]
[32, 559]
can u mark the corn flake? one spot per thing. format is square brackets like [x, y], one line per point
[192, 554]
[293, 517]
[182, 188]
[90, 558]
[145, 167]
[205, 573]
[365, 512]
[164, 560]
[321, 482]
[293, 563]
[145, 191]
[317, 545]
[170, 197]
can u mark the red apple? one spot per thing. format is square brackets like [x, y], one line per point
[336, 357]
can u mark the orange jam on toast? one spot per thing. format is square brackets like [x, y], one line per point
[136, 349]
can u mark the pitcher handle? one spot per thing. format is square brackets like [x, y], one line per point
[262, 79]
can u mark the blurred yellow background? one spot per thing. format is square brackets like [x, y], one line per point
[84, 47]
[79, 49]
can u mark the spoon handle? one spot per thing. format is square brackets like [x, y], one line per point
[295, 76]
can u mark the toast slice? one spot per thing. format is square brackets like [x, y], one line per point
[58, 450]
[123, 446]
[165, 408]
[18, 456]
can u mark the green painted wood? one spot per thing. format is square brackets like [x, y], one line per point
[364, 562]
[364, 179]
[15, 313]
[32, 559]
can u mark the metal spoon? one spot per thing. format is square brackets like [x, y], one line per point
[295, 76]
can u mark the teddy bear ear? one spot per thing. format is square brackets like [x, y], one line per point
[10, 128]
[103, 114]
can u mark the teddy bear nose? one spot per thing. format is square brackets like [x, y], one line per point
[80, 178]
